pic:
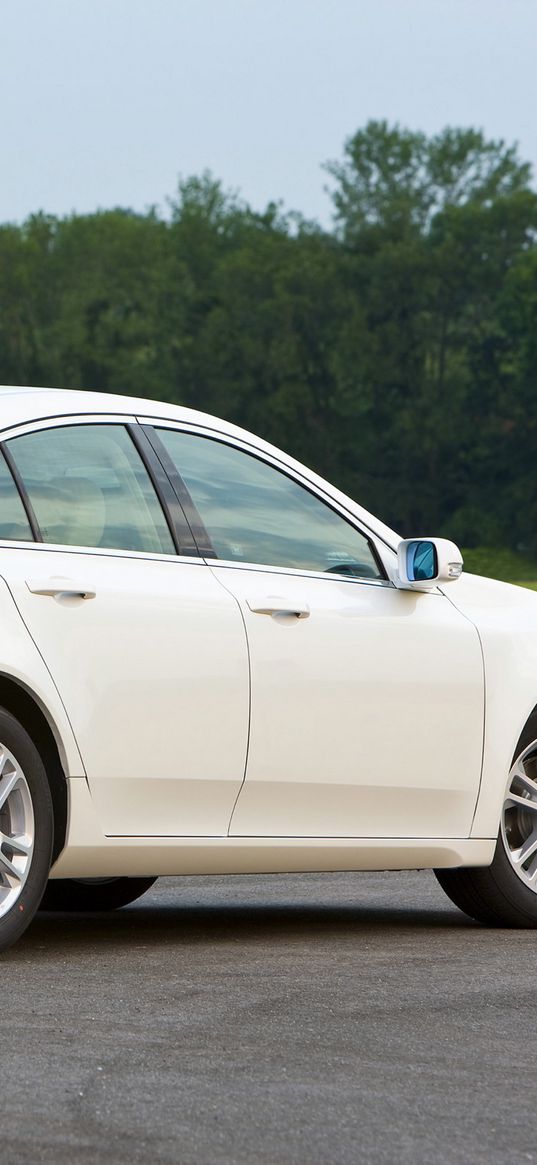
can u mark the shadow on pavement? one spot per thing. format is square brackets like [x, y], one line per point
[180, 924]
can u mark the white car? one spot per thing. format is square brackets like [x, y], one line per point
[212, 661]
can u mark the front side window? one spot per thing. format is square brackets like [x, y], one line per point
[254, 513]
[14, 524]
[88, 487]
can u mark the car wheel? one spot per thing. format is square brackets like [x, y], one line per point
[93, 893]
[26, 829]
[505, 893]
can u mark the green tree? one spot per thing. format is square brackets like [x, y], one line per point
[396, 353]
[431, 229]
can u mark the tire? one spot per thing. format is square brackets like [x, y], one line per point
[26, 829]
[81, 894]
[505, 893]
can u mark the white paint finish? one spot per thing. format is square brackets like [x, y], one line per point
[89, 854]
[367, 716]
[154, 674]
[506, 617]
[20, 660]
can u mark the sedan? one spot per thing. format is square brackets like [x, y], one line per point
[214, 662]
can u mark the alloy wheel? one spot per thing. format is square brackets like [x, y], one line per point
[519, 817]
[17, 830]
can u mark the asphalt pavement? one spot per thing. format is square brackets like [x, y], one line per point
[278, 1020]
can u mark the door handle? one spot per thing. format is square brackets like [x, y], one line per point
[279, 605]
[61, 586]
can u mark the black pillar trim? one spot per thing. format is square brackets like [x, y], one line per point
[29, 509]
[180, 530]
[201, 537]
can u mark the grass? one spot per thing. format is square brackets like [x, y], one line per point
[506, 565]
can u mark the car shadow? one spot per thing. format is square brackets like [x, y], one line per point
[234, 922]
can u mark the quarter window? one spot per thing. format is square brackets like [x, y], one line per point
[254, 513]
[88, 487]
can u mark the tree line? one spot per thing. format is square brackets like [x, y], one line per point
[395, 353]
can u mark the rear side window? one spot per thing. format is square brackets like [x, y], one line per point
[88, 487]
[13, 521]
[255, 513]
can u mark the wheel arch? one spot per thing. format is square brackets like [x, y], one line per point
[528, 733]
[28, 709]
[508, 729]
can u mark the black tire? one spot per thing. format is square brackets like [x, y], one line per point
[81, 894]
[495, 895]
[14, 738]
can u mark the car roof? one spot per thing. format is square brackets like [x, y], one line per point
[20, 405]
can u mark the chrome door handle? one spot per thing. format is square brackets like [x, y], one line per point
[279, 605]
[61, 586]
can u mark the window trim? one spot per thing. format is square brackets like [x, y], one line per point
[201, 548]
[128, 424]
[250, 451]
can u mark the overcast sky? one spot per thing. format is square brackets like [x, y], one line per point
[105, 102]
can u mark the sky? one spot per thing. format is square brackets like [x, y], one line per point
[107, 102]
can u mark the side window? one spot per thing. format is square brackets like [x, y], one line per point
[13, 521]
[89, 487]
[254, 513]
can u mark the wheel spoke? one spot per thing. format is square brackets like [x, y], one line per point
[526, 850]
[530, 872]
[8, 870]
[527, 782]
[8, 784]
[524, 802]
[20, 844]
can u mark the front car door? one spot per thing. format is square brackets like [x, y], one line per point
[367, 701]
[152, 664]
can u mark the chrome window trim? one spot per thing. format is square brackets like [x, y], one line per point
[58, 422]
[100, 552]
[297, 572]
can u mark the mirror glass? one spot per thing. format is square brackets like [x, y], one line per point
[422, 561]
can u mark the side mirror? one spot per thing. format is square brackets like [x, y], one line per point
[424, 562]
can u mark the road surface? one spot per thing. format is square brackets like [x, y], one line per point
[278, 1020]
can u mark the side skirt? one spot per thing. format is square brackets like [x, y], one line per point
[88, 853]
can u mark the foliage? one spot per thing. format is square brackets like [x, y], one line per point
[396, 354]
[502, 564]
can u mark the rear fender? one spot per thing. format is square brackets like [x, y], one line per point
[21, 661]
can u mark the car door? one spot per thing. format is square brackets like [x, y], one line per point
[146, 648]
[367, 702]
